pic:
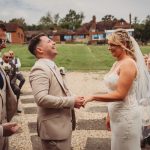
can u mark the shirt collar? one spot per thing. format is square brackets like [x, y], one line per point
[49, 62]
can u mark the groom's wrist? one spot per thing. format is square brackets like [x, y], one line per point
[72, 101]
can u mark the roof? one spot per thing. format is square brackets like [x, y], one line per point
[122, 24]
[36, 32]
[64, 31]
[104, 25]
[85, 29]
[12, 27]
[49, 32]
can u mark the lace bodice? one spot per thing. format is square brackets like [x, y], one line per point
[111, 80]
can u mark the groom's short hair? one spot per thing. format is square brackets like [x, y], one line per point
[34, 42]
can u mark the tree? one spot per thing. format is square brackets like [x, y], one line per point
[108, 18]
[49, 22]
[142, 30]
[19, 21]
[1, 21]
[139, 31]
[147, 29]
[56, 19]
[34, 27]
[46, 21]
[72, 20]
[135, 20]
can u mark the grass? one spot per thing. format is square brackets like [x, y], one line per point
[73, 56]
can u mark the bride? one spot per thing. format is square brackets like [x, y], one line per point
[124, 92]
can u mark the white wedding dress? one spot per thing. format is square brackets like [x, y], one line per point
[125, 120]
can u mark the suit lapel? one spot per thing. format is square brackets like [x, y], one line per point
[58, 77]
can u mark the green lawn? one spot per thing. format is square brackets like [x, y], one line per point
[73, 56]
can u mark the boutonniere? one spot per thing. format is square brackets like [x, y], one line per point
[62, 71]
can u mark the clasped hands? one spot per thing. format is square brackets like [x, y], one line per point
[81, 101]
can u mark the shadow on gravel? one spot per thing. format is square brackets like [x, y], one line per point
[98, 144]
[95, 124]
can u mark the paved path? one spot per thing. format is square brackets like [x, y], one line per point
[90, 133]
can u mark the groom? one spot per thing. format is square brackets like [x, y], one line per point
[55, 104]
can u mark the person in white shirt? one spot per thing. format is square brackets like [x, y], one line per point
[17, 63]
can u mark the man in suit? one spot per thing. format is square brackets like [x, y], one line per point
[8, 103]
[55, 103]
[16, 61]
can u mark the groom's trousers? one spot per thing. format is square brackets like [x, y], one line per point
[57, 144]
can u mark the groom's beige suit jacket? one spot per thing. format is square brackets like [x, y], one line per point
[55, 104]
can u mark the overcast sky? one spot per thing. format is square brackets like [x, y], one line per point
[32, 10]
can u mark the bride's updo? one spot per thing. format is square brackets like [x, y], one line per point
[122, 38]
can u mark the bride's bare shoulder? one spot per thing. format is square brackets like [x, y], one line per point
[129, 61]
[129, 64]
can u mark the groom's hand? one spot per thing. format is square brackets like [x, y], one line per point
[79, 102]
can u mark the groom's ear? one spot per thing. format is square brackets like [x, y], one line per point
[39, 50]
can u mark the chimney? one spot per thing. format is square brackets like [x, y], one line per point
[94, 19]
[130, 19]
[93, 24]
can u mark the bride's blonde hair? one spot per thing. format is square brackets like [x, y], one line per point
[121, 37]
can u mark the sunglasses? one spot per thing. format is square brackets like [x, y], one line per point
[7, 57]
[2, 41]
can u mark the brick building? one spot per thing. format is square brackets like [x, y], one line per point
[15, 33]
[92, 32]
[98, 31]
[54, 35]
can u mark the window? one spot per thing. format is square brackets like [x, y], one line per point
[81, 36]
[67, 37]
[97, 36]
[78, 37]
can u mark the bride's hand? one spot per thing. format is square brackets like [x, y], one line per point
[87, 99]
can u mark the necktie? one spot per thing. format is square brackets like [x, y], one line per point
[1, 82]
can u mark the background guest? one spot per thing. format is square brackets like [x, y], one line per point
[17, 63]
